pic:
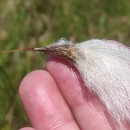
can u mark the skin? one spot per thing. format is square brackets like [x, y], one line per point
[56, 99]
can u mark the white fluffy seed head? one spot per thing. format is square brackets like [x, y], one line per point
[105, 69]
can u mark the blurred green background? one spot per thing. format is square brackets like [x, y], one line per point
[35, 23]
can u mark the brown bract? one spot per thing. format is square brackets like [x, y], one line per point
[66, 52]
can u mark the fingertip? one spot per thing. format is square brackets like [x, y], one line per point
[53, 62]
[27, 128]
[32, 80]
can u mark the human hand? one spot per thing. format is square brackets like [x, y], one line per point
[57, 99]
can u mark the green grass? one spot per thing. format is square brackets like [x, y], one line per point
[35, 23]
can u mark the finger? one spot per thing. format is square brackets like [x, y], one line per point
[44, 104]
[27, 128]
[87, 109]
